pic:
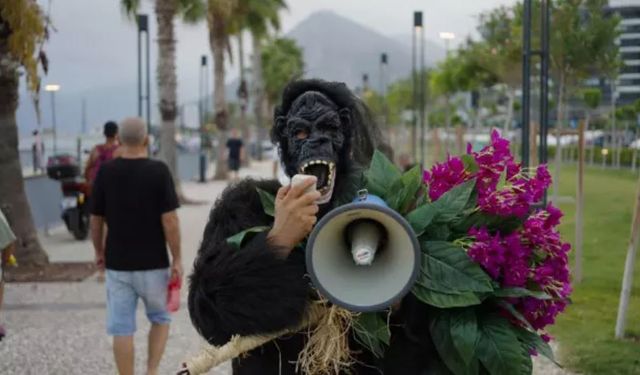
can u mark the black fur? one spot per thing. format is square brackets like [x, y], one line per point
[252, 291]
[245, 291]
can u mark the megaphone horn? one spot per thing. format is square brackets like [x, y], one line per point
[363, 256]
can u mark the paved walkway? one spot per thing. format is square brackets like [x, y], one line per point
[59, 328]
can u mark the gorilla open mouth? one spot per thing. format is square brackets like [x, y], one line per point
[325, 172]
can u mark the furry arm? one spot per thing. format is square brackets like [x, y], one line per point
[245, 291]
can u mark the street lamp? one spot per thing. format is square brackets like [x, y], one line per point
[418, 84]
[203, 116]
[384, 63]
[447, 36]
[52, 88]
[143, 27]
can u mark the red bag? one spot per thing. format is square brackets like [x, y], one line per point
[173, 294]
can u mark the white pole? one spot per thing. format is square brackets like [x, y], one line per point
[627, 279]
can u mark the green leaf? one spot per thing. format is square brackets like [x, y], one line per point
[405, 195]
[470, 164]
[372, 331]
[464, 332]
[520, 292]
[268, 201]
[440, 232]
[441, 328]
[452, 203]
[499, 349]
[449, 265]
[238, 239]
[421, 217]
[445, 300]
[381, 175]
[515, 313]
[532, 340]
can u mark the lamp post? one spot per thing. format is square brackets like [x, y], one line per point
[143, 27]
[383, 86]
[203, 86]
[53, 89]
[418, 85]
[447, 37]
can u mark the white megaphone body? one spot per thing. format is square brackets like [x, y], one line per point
[363, 256]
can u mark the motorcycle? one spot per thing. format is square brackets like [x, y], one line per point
[75, 193]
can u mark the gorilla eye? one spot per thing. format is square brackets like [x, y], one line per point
[301, 134]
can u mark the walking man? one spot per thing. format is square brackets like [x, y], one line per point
[236, 153]
[136, 198]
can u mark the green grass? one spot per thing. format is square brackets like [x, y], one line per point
[585, 331]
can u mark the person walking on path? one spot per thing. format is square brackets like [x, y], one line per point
[136, 198]
[236, 153]
[7, 246]
[102, 153]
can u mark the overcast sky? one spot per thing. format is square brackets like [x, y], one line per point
[93, 47]
[94, 44]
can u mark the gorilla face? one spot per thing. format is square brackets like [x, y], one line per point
[313, 139]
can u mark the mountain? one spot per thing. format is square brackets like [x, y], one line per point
[84, 63]
[338, 48]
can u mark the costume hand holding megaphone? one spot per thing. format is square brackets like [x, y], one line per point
[457, 252]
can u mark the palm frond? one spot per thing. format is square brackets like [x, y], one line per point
[129, 8]
[192, 11]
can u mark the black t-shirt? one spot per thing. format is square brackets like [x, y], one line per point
[132, 195]
[234, 145]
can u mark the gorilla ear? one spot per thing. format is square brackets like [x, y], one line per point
[280, 125]
[345, 116]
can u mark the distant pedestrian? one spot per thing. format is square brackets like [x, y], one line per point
[236, 153]
[37, 152]
[136, 198]
[7, 247]
[102, 153]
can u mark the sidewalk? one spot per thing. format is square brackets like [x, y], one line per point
[59, 328]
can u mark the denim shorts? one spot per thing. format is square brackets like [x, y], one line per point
[123, 290]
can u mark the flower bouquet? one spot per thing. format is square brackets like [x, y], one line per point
[494, 268]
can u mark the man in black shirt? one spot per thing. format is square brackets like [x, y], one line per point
[236, 153]
[136, 198]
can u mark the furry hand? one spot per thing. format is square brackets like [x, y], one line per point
[295, 215]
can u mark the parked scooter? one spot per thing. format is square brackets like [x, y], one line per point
[75, 193]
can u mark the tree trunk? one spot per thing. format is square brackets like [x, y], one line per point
[558, 155]
[577, 274]
[244, 100]
[258, 92]
[447, 124]
[613, 119]
[627, 279]
[13, 200]
[167, 86]
[592, 148]
[507, 122]
[218, 43]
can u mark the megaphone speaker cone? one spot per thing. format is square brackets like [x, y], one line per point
[363, 256]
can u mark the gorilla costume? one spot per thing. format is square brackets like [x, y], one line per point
[251, 290]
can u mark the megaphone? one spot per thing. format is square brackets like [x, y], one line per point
[363, 256]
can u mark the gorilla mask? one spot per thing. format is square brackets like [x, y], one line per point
[315, 131]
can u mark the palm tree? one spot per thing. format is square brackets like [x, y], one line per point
[166, 11]
[261, 15]
[23, 49]
[258, 16]
[219, 20]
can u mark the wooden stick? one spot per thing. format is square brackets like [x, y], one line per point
[577, 274]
